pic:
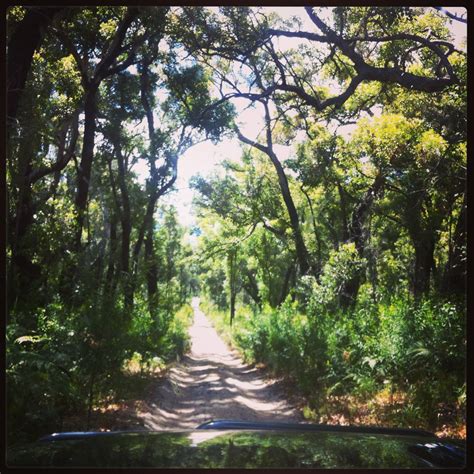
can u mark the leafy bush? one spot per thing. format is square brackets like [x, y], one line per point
[74, 358]
[400, 345]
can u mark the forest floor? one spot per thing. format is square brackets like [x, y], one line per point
[210, 382]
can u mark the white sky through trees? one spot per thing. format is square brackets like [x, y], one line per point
[204, 158]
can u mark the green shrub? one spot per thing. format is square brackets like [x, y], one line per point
[75, 357]
[408, 347]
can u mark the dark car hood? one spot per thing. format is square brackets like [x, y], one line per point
[241, 448]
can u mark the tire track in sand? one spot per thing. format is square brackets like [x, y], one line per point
[212, 382]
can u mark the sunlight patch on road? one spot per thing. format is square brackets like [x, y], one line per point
[264, 406]
[212, 382]
[254, 385]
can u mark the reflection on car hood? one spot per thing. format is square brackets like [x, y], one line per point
[247, 445]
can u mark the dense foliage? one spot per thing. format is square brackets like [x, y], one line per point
[342, 267]
[98, 268]
[341, 264]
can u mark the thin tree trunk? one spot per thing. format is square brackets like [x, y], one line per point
[232, 283]
[252, 288]
[156, 186]
[151, 271]
[454, 279]
[90, 401]
[361, 212]
[85, 167]
[286, 283]
[24, 210]
[155, 193]
[232, 307]
[113, 248]
[424, 251]
[126, 229]
[423, 240]
[345, 221]
[301, 251]
[316, 233]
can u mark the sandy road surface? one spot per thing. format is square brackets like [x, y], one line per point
[212, 382]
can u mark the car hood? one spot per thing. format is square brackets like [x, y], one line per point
[242, 447]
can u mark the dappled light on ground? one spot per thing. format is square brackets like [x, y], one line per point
[212, 382]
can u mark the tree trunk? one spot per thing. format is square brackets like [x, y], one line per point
[357, 233]
[26, 38]
[22, 271]
[232, 306]
[343, 208]
[126, 228]
[110, 274]
[232, 282]
[285, 285]
[84, 171]
[155, 188]
[151, 271]
[125, 215]
[251, 288]
[424, 251]
[423, 239]
[27, 176]
[90, 402]
[316, 233]
[301, 250]
[454, 279]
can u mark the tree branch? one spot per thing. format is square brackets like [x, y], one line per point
[247, 141]
[452, 15]
[115, 47]
[298, 34]
[390, 75]
[64, 156]
[81, 64]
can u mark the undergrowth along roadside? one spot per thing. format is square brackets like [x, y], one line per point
[121, 368]
[404, 370]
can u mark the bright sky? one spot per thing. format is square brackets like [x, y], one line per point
[204, 158]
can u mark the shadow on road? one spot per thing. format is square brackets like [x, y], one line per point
[212, 382]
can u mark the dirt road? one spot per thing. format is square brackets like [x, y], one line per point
[212, 382]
